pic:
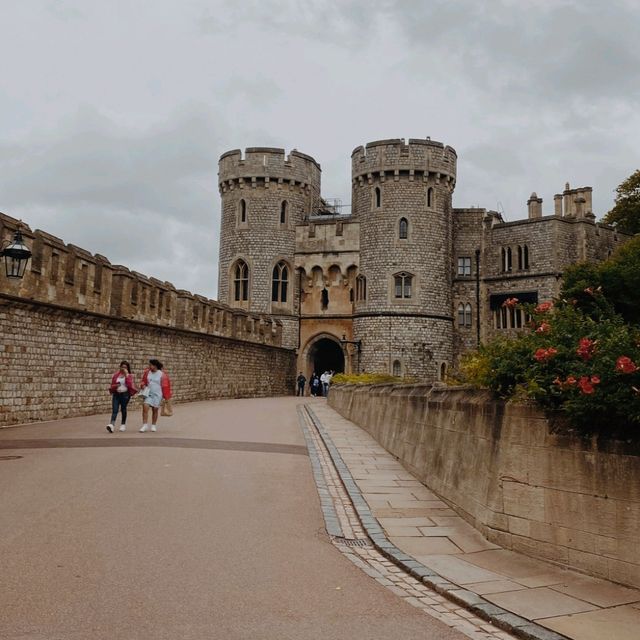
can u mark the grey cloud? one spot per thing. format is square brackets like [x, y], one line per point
[145, 199]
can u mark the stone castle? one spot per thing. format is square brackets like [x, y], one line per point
[405, 283]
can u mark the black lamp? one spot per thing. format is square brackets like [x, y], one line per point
[16, 254]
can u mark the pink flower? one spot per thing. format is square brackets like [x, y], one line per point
[543, 307]
[542, 355]
[595, 379]
[571, 381]
[625, 365]
[586, 348]
[543, 328]
[585, 385]
[510, 303]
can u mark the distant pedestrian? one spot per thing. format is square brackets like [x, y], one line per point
[314, 384]
[122, 388]
[301, 380]
[325, 379]
[155, 387]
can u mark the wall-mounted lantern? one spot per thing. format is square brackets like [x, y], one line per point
[15, 254]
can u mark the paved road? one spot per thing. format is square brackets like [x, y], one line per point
[218, 534]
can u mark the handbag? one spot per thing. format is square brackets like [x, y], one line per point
[144, 393]
[167, 409]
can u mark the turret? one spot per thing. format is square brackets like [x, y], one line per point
[264, 195]
[402, 199]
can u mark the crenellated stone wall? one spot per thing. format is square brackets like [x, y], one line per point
[573, 501]
[65, 327]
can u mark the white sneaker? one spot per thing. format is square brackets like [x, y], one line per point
[144, 428]
[110, 428]
[153, 428]
[123, 427]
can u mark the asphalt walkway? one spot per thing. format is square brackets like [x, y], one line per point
[210, 528]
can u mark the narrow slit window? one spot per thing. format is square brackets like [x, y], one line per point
[377, 196]
[403, 229]
[283, 212]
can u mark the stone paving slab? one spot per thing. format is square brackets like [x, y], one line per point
[412, 518]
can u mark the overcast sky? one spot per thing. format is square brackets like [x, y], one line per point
[113, 113]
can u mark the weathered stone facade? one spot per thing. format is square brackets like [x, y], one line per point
[67, 324]
[406, 283]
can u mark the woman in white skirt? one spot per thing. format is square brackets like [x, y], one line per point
[155, 387]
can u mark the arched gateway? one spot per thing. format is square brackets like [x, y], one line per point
[324, 353]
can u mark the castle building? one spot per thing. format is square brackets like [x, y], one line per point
[405, 283]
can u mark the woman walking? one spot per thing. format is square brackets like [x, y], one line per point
[122, 389]
[156, 387]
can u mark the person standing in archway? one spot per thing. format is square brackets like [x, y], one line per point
[314, 384]
[301, 382]
[325, 378]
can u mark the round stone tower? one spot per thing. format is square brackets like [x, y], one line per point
[403, 310]
[264, 195]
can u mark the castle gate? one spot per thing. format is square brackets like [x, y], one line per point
[323, 353]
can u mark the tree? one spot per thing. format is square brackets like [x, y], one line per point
[626, 212]
[616, 279]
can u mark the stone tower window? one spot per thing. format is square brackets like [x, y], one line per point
[464, 266]
[324, 298]
[280, 282]
[377, 198]
[467, 315]
[396, 368]
[443, 370]
[430, 198]
[361, 288]
[242, 211]
[526, 256]
[402, 285]
[241, 282]
[403, 229]
[283, 212]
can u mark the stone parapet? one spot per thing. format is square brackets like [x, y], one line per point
[71, 277]
[570, 500]
[391, 159]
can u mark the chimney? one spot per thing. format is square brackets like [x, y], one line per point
[557, 205]
[534, 205]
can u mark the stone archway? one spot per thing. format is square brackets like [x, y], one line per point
[324, 353]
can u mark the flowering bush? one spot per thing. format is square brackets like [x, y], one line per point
[571, 363]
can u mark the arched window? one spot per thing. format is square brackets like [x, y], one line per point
[241, 282]
[396, 368]
[467, 315]
[402, 285]
[361, 288]
[242, 211]
[503, 259]
[280, 282]
[509, 259]
[443, 370]
[430, 197]
[520, 258]
[377, 198]
[526, 256]
[283, 212]
[461, 315]
[403, 229]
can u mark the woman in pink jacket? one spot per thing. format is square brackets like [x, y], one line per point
[122, 389]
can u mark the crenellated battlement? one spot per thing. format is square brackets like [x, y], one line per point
[394, 158]
[267, 166]
[68, 276]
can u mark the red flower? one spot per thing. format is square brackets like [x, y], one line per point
[585, 385]
[571, 381]
[558, 381]
[543, 307]
[510, 303]
[595, 379]
[543, 328]
[586, 348]
[542, 355]
[625, 365]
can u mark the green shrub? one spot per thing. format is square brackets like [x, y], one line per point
[365, 378]
[581, 364]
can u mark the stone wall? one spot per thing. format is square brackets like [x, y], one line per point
[74, 316]
[573, 501]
